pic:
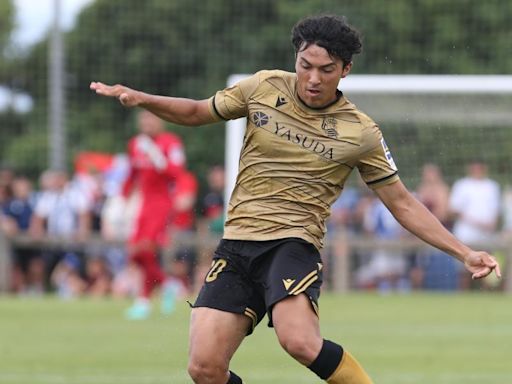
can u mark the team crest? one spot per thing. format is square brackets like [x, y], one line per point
[260, 119]
[329, 126]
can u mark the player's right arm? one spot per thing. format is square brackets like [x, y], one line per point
[417, 219]
[173, 109]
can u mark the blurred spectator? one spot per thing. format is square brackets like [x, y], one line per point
[92, 171]
[117, 221]
[344, 212]
[183, 225]
[91, 185]
[28, 266]
[346, 220]
[433, 269]
[5, 193]
[213, 202]
[507, 225]
[7, 176]
[434, 193]
[6, 179]
[386, 269]
[156, 161]
[66, 278]
[61, 212]
[475, 204]
[98, 278]
[118, 213]
[211, 219]
[127, 283]
[507, 210]
[18, 209]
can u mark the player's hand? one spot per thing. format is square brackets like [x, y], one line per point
[127, 97]
[481, 264]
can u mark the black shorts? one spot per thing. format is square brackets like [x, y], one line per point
[249, 277]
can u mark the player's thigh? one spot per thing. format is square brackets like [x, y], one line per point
[295, 311]
[297, 328]
[215, 335]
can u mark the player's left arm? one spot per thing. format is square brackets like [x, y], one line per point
[417, 219]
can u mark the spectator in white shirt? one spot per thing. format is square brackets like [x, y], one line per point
[475, 205]
[61, 212]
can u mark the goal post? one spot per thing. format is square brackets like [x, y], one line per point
[441, 119]
[235, 130]
[438, 100]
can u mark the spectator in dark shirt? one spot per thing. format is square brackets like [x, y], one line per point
[213, 201]
[28, 266]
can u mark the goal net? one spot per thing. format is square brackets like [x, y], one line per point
[447, 120]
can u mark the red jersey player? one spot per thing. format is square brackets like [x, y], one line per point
[156, 161]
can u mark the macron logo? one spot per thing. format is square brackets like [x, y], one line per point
[288, 283]
[280, 101]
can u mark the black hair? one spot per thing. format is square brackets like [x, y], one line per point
[330, 32]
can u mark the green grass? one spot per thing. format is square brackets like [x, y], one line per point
[420, 339]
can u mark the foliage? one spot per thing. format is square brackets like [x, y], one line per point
[189, 48]
[6, 23]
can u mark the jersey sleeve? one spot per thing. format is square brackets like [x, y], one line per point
[232, 103]
[376, 165]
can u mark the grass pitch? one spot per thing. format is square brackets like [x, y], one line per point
[418, 338]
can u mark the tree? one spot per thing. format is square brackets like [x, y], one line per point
[6, 23]
[189, 48]
[9, 120]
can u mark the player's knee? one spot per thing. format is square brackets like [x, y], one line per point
[202, 371]
[303, 348]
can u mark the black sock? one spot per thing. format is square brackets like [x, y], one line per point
[234, 379]
[327, 360]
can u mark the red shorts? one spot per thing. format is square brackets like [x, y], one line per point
[152, 223]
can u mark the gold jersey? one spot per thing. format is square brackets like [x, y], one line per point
[295, 160]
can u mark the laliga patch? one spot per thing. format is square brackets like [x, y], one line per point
[387, 153]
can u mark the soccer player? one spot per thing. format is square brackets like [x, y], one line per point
[156, 161]
[303, 138]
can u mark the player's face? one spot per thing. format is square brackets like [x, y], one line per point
[318, 75]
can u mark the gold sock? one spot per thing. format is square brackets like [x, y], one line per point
[349, 371]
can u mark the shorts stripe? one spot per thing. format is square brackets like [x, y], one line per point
[315, 307]
[311, 281]
[252, 315]
[305, 280]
